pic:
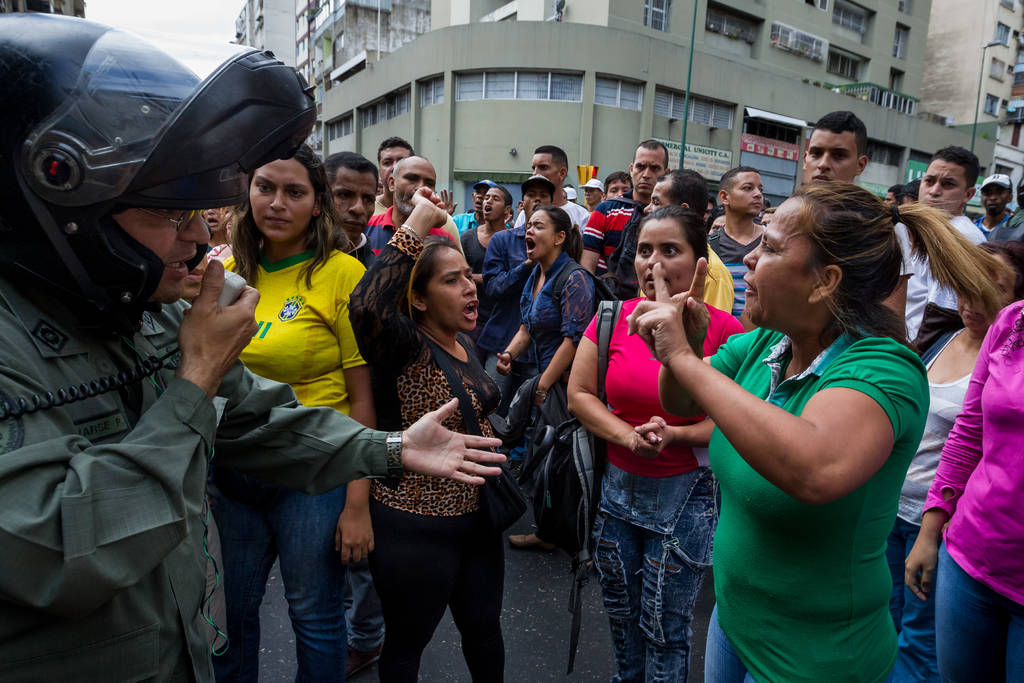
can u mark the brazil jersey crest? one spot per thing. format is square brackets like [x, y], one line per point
[291, 308]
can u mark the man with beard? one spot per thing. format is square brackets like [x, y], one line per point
[353, 181]
[995, 195]
[407, 176]
[1014, 229]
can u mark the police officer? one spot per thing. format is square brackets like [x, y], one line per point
[110, 392]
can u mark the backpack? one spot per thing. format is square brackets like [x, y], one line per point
[563, 475]
[620, 271]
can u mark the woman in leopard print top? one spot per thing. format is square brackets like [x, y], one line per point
[420, 291]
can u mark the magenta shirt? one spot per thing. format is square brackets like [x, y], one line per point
[983, 464]
[631, 385]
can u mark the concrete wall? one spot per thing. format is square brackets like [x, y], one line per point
[477, 135]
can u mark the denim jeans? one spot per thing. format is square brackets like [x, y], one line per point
[362, 608]
[721, 663]
[914, 618]
[259, 523]
[653, 543]
[979, 633]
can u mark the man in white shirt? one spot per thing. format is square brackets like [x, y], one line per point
[948, 184]
[552, 163]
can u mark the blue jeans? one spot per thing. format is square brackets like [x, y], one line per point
[979, 633]
[653, 543]
[362, 608]
[259, 523]
[721, 663]
[914, 618]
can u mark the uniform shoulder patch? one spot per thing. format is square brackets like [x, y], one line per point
[291, 308]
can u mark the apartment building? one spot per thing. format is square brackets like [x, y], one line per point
[268, 25]
[70, 8]
[974, 75]
[493, 80]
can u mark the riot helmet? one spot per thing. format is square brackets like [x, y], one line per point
[97, 120]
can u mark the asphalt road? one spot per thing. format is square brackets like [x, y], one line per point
[535, 621]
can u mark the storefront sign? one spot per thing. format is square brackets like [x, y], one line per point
[709, 162]
[769, 147]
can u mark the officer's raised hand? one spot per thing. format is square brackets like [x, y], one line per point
[211, 336]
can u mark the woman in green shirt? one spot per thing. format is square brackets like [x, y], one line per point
[818, 414]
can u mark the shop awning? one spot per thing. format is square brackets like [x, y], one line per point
[777, 118]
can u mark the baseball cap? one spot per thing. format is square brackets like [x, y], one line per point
[485, 185]
[538, 180]
[1000, 179]
[595, 184]
[570, 193]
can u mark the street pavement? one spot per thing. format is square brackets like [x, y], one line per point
[535, 621]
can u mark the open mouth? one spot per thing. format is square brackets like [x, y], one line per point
[531, 244]
[472, 309]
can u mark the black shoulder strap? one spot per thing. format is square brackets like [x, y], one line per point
[443, 360]
[607, 317]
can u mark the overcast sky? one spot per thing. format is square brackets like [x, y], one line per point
[208, 21]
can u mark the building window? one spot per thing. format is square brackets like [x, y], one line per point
[881, 153]
[656, 14]
[339, 128]
[392, 105]
[613, 92]
[899, 41]
[432, 91]
[991, 105]
[997, 69]
[895, 79]
[820, 4]
[1008, 4]
[519, 85]
[905, 6]
[795, 41]
[730, 25]
[851, 17]
[844, 64]
[1003, 33]
[671, 104]
[771, 130]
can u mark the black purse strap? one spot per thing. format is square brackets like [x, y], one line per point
[443, 360]
[607, 316]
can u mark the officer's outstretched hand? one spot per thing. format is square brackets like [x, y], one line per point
[429, 448]
[211, 337]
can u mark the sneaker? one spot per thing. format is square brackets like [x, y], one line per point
[358, 660]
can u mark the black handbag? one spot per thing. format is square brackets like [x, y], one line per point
[501, 499]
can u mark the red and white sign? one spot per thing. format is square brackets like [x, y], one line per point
[769, 147]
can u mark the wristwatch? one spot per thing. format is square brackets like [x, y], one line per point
[393, 455]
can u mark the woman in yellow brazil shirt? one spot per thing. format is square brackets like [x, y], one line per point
[288, 248]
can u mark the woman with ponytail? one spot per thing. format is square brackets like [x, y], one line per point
[818, 414]
[555, 312]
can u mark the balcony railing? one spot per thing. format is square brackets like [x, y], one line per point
[883, 97]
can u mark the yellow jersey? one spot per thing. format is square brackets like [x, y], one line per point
[304, 337]
[718, 285]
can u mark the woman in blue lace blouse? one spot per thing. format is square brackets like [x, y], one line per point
[554, 315]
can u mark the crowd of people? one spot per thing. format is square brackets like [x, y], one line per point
[819, 402]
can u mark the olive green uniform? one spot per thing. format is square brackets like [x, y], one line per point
[103, 573]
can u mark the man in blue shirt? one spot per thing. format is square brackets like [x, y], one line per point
[471, 219]
[996, 193]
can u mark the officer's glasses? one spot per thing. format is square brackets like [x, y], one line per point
[178, 218]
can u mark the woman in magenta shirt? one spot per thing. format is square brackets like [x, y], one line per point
[657, 512]
[978, 488]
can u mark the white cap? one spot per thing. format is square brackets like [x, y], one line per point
[570, 194]
[595, 184]
[1000, 179]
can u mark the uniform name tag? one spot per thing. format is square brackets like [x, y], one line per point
[102, 426]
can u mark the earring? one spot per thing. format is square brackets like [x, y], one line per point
[316, 212]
